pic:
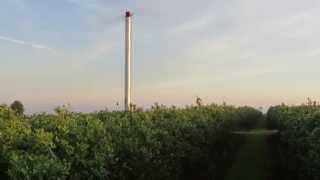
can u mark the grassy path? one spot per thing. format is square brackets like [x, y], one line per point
[253, 161]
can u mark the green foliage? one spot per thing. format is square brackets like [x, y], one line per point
[299, 146]
[248, 118]
[17, 107]
[161, 143]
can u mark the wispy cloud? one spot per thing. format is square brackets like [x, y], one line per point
[81, 59]
[26, 43]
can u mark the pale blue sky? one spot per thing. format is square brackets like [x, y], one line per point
[239, 51]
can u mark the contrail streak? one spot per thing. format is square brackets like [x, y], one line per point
[25, 43]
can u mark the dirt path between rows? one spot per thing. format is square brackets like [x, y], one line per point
[254, 161]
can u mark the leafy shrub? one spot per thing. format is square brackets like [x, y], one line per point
[248, 118]
[161, 143]
[299, 146]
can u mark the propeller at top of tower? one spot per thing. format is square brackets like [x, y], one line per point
[129, 13]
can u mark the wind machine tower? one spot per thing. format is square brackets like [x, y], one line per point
[128, 59]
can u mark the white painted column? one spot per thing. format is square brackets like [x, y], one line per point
[128, 53]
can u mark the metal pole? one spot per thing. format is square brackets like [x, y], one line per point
[128, 46]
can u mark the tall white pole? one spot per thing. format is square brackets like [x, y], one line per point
[128, 44]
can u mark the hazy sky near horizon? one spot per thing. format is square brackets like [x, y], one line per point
[249, 52]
